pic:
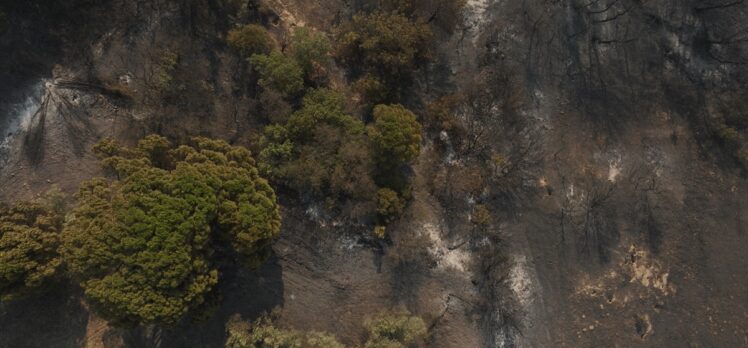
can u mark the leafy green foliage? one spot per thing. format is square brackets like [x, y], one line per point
[385, 43]
[163, 74]
[279, 72]
[395, 330]
[144, 246]
[250, 39]
[322, 150]
[311, 50]
[264, 334]
[396, 135]
[389, 204]
[29, 241]
[322, 106]
[371, 90]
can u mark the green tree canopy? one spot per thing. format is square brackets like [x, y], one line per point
[387, 43]
[322, 150]
[250, 39]
[279, 72]
[396, 135]
[395, 330]
[264, 334]
[144, 246]
[322, 106]
[29, 242]
[311, 49]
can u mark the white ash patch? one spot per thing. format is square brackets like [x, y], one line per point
[521, 281]
[614, 169]
[476, 16]
[455, 259]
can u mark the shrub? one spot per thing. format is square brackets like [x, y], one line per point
[389, 204]
[440, 113]
[311, 50]
[396, 135]
[250, 39]
[727, 134]
[144, 246]
[386, 43]
[163, 74]
[480, 217]
[279, 72]
[29, 239]
[371, 90]
[395, 329]
[264, 334]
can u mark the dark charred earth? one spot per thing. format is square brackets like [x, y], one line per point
[617, 213]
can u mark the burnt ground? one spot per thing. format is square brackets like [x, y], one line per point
[624, 227]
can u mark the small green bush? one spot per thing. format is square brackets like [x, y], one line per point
[164, 71]
[264, 334]
[727, 134]
[395, 330]
[396, 135]
[389, 204]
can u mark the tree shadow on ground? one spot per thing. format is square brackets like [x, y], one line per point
[55, 318]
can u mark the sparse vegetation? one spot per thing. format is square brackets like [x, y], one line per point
[144, 246]
[395, 329]
[29, 242]
[163, 73]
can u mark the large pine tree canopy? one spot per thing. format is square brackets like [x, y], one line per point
[144, 246]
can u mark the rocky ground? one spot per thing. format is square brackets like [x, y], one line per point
[622, 223]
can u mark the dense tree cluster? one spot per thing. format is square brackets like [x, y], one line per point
[29, 241]
[385, 45]
[144, 245]
[322, 150]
